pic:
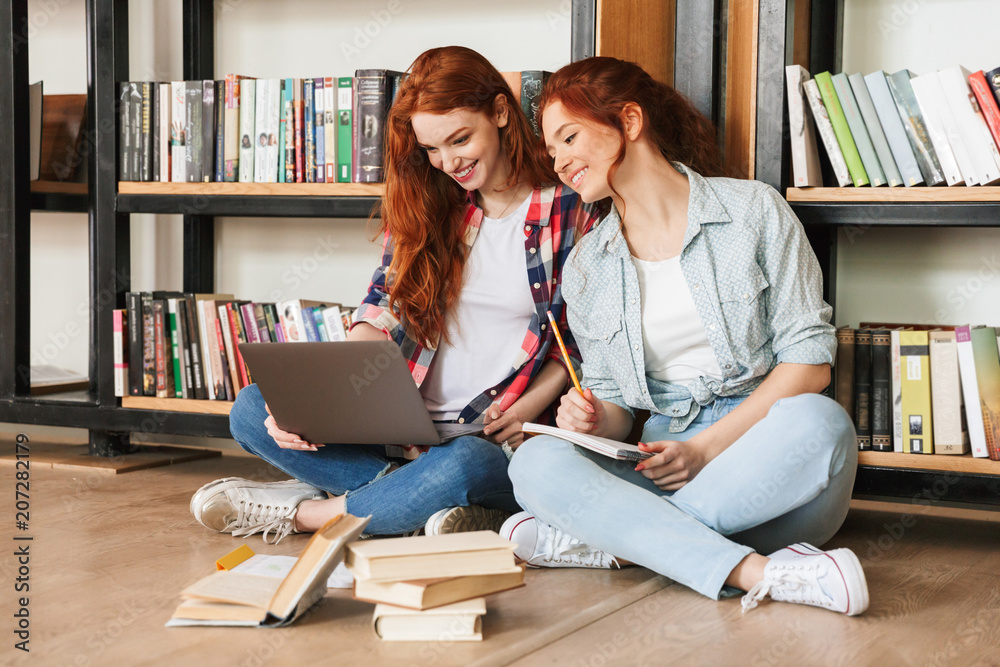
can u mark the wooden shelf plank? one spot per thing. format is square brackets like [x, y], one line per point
[177, 405]
[59, 188]
[942, 462]
[254, 189]
[894, 195]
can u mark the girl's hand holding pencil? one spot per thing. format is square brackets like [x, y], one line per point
[578, 410]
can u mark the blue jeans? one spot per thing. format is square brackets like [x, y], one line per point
[465, 471]
[788, 479]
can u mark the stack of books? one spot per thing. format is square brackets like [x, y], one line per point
[921, 389]
[248, 130]
[430, 588]
[939, 128]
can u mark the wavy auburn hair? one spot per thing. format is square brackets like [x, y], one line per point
[423, 207]
[597, 90]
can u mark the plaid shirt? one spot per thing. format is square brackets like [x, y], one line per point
[556, 219]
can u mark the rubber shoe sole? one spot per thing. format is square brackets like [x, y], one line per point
[464, 520]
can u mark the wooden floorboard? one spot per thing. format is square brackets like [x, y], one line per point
[110, 555]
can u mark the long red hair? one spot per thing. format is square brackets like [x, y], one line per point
[423, 207]
[597, 90]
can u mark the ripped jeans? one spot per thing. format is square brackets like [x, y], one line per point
[466, 471]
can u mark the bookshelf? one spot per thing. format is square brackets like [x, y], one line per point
[647, 31]
[816, 43]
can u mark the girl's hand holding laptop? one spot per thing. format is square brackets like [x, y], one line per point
[284, 439]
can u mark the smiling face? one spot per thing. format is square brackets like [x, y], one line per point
[583, 152]
[465, 144]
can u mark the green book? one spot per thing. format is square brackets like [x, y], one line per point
[178, 387]
[841, 129]
[858, 130]
[345, 102]
[282, 125]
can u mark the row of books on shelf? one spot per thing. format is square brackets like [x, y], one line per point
[247, 130]
[939, 128]
[426, 588]
[181, 345]
[921, 389]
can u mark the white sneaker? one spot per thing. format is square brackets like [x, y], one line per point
[542, 545]
[244, 507]
[464, 520]
[804, 574]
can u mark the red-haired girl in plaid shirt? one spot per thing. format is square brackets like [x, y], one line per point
[476, 229]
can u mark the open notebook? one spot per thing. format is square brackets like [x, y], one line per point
[610, 448]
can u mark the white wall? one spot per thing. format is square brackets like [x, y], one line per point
[946, 276]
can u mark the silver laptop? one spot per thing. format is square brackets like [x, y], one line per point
[350, 392]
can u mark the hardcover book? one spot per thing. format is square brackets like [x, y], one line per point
[459, 621]
[164, 129]
[124, 132]
[858, 130]
[423, 594]
[208, 120]
[951, 435]
[970, 391]
[235, 598]
[835, 112]
[874, 127]
[881, 396]
[330, 127]
[993, 79]
[288, 99]
[805, 153]
[987, 359]
[371, 108]
[120, 352]
[220, 131]
[178, 132]
[146, 133]
[897, 394]
[621, 451]
[195, 343]
[283, 119]
[231, 143]
[154, 126]
[892, 125]
[248, 106]
[345, 111]
[930, 97]
[148, 346]
[133, 301]
[915, 382]
[970, 124]
[863, 387]
[135, 124]
[431, 556]
[913, 124]
[843, 370]
[309, 115]
[319, 112]
[193, 152]
[987, 103]
[825, 129]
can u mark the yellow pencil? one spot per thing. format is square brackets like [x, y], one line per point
[562, 347]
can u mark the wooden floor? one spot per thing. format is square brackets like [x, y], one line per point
[110, 554]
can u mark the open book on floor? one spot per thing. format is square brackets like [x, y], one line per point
[235, 598]
[610, 448]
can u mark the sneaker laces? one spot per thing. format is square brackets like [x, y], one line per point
[793, 582]
[253, 517]
[568, 549]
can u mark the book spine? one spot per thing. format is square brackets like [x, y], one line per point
[897, 394]
[146, 147]
[273, 128]
[951, 435]
[987, 104]
[971, 127]
[208, 363]
[175, 350]
[858, 130]
[309, 112]
[124, 133]
[148, 346]
[317, 314]
[805, 152]
[987, 360]
[282, 132]
[844, 370]
[207, 130]
[178, 132]
[371, 106]
[993, 79]
[160, 350]
[826, 134]
[231, 144]
[308, 321]
[319, 108]
[923, 91]
[970, 391]
[164, 101]
[230, 342]
[260, 321]
[220, 131]
[881, 398]
[194, 94]
[260, 132]
[532, 82]
[184, 345]
[874, 127]
[224, 369]
[236, 324]
[289, 140]
[135, 122]
[134, 306]
[274, 328]
[154, 130]
[249, 323]
[121, 367]
[913, 125]
[300, 134]
[330, 128]
[197, 350]
[345, 111]
[863, 387]
[248, 105]
[841, 130]
[885, 107]
[918, 434]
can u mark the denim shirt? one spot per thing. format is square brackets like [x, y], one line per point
[755, 282]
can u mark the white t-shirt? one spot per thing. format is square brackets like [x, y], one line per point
[494, 309]
[676, 344]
